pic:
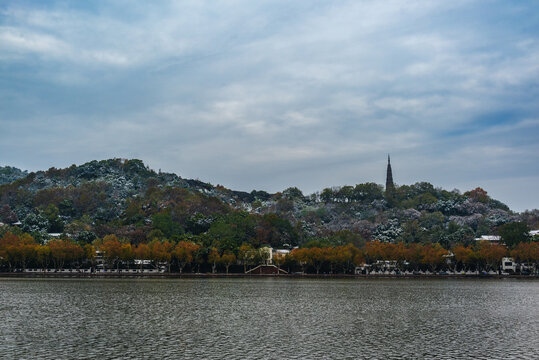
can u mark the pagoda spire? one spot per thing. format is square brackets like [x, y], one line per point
[389, 177]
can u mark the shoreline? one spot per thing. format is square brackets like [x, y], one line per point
[239, 275]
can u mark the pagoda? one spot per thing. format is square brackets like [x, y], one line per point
[390, 187]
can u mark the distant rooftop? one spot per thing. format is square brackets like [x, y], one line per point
[488, 238]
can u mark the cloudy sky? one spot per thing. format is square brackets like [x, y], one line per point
[270, 94]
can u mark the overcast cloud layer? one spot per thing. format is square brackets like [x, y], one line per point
[267, 95]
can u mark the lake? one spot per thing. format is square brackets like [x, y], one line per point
[269, 318]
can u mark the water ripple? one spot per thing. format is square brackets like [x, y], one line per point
[269, 319]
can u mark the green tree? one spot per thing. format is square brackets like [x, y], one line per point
[514, 233]
[231, 230]
[344, 237]
[276, 231]
[163, 222]
[56, 225]
[327, 195]
[368, 192]
[35, 224]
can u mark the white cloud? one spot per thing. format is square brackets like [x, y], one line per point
[31, 42]
[234, 93]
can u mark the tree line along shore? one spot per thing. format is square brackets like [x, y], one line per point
[20, 252]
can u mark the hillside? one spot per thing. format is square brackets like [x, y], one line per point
[126, 198]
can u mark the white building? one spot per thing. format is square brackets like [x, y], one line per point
[142, 262]
[268, 253]
[508, 264]
[281, 251]
[493, 239]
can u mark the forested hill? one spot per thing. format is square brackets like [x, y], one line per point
[126, 198]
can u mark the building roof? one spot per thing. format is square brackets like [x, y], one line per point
[281, 251]
[489, 238]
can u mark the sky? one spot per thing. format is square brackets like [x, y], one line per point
[271, 94]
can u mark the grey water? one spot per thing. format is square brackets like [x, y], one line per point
[269, 318]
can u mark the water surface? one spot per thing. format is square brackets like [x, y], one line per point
[269, 318]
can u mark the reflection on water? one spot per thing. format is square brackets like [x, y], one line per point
[269, 318]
